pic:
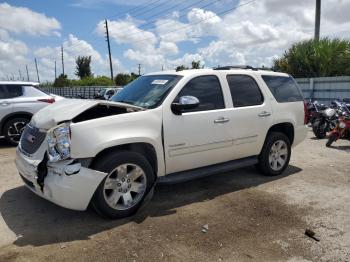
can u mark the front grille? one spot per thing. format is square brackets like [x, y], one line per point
[31, 139]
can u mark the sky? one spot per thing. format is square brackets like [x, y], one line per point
[156, 33]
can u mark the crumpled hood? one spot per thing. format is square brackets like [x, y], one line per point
[66, 110]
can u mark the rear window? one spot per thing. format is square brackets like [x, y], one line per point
[10, 91]
[283, 88]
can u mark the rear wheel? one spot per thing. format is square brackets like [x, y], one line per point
[275, 155]
[319, 129]
[130, 178]
[13, 129]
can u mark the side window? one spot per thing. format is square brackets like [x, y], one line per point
[244, 91]
[3, 92]
[10, 91]
[283, 88]
[208, 91]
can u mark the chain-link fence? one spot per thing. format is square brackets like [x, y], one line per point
[75, 92]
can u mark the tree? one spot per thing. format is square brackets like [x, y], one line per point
[196, 64]
[326, 57]
[61, 81]
[124, 79]
[180, 68]
[83, 68]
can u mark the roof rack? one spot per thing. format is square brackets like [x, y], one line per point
[236, 67]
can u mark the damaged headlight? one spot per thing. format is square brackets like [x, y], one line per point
[58, 139]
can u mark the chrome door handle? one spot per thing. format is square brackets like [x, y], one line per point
[264, 113]
[221, 120]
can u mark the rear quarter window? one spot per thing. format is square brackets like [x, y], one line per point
[10, 91]
[283, 88]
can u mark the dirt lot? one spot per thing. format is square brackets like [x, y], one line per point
[250, 217]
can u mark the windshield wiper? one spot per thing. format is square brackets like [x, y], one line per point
[125, 102]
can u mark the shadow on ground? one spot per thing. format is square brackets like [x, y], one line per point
[343, 148]
[38, 222]
[4, 144]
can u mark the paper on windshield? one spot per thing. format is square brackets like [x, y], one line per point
[159, 82]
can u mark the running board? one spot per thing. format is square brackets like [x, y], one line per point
[201, 172]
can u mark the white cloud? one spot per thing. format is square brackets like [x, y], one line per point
[23, 20]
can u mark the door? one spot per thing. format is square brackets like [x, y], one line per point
[6, 106]
[201, 136]
[251, 115]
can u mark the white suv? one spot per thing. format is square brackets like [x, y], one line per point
[18, 102]
[164, 127]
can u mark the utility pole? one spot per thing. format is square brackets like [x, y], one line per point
[109, 49]
[27, 73]
[19, 73]
[139, 69]
[162, 67]
[62, 59]
[37, 72]
[55, 71]
[317, 20]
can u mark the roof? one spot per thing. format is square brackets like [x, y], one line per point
[17, 83]
[211, 71]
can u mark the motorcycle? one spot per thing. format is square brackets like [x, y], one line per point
[324, 121]
[314, 108]
[342, 129]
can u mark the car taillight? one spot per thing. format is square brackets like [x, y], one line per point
[306, 115]
[47, 100]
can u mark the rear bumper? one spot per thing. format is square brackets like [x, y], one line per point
[70, 191]
[300, 134]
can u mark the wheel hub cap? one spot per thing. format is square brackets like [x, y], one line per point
[278, 155]
[125, 186]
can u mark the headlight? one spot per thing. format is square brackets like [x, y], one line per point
[58, 139]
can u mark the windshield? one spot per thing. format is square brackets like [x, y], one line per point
[147, 91]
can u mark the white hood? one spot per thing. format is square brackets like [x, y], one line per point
[67, 109]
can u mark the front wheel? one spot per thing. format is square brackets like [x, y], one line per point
[332, 138]
[275, 155]
[13, 129]
[130, 178]
[319, 129]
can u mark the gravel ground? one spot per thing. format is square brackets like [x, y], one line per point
[249, 217]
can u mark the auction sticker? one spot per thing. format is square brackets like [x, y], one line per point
[159, 82]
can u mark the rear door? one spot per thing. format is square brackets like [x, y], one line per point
[251, 115]
[6, 106]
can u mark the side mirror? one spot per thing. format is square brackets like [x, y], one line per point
[185, 102]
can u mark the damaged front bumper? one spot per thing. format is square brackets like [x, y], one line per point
[66, 183]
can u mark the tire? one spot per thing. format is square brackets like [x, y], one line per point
[331, 139]
[116, 196]
[273, 159]
[13, 129]
[318, 132]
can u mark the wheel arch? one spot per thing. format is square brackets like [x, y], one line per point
[286, 128]
[145, 149]
[12, 116]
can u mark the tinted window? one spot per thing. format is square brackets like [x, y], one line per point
[147, 91]
[208, 91]
[10, 91]
[283, 88]
[244, 91]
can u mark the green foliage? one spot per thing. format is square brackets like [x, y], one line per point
[83, 68]
[195, 65]
[61, 81]
[124, 79]
[92, 81]
[326, 57]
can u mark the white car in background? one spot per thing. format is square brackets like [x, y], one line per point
[163, 127]
[19, 101]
